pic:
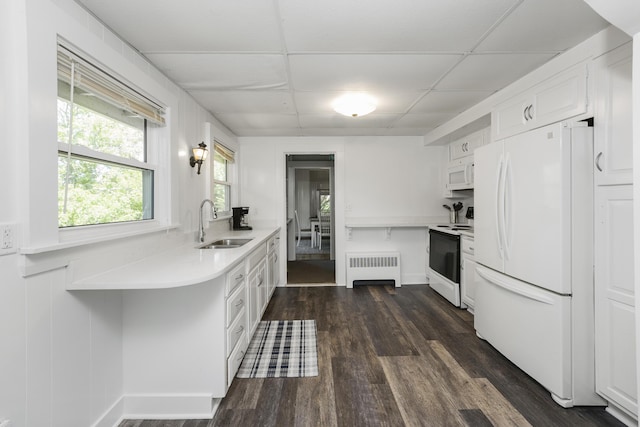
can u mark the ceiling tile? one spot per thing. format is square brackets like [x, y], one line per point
[491, 72]
[387, 101]
[237, 101]
[368, 72]
[402, 131]
[542, 25]
[268, 132]
[258, 121]
[377, 26]
[335, 120]
[223, 71]
[449, 102]
[328, 131]
[426, 120]
[192, 25]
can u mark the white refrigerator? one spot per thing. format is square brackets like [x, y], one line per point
[534, 248]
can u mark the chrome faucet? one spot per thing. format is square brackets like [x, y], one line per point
[215, 215]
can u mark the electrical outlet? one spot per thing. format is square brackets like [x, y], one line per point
[8, 239]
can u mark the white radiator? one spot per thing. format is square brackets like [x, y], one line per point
[373, 266]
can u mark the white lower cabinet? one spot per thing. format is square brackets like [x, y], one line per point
[615, 299]
[468, 273]
[257, 284]
[274, 264]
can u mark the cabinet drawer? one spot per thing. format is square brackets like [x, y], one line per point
[234, 361]
[236, 331]
[466, 245]
[235, 278]
[235, 304]
[256, 257]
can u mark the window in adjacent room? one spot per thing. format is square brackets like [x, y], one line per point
[104, 175]
[222, 160]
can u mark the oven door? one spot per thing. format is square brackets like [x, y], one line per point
[444, 254]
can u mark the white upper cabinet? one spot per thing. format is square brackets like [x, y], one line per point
[464, 147]
[553, 100]
[613, 130]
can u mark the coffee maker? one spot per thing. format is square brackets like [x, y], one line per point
[239, 222]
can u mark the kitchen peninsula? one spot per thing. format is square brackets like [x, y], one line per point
[187, 320]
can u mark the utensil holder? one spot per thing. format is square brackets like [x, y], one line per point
[453, 217]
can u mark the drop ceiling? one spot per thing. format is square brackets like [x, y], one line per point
[273, 67]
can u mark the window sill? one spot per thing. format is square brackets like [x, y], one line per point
[90, 239]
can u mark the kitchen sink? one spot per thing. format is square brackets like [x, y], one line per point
[225, 244]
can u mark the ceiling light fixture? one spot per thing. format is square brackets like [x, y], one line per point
[354, 104]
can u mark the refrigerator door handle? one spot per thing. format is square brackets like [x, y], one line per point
[499, 202]
[529, 293]
[506, 217]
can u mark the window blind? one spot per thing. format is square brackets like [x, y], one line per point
[224, 152]
[92, 79]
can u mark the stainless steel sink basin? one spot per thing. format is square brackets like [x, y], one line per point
[225, 244]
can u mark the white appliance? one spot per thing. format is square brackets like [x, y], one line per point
[443, 267]
[534, 248]
[460, 174]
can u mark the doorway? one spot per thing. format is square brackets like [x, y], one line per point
[310, 213]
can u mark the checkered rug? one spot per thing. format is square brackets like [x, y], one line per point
[282, 348]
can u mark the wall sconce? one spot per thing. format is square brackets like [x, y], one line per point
[199, 155]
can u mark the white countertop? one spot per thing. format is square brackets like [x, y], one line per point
[183, 265]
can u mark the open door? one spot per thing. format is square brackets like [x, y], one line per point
[310, 231]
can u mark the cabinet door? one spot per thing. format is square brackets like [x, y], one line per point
[614, 291]
[512, 117]
[613, 131]
[464, 147]
[457, 149]
[560, 98]
[275, 268]
[551, 101]
[252, 313]
[467, 283]
[475, 140]
[263, 289]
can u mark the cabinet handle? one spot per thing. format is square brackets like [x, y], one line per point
[240, 277]
[524, 113]
[239, 303]
[598, 161]
[470, 248]
[530, 112]
[239, 359]
[240, 330]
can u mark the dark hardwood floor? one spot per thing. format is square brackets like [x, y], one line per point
[390, 357]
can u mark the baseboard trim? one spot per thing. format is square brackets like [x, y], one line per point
[621, 415]
[112, 416]
[414, 279]
[170, 406]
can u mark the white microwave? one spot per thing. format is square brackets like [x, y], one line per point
[460, 176]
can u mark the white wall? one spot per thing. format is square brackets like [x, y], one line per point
[377, 178]
[61, 362]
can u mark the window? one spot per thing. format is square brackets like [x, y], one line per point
[222, 158]
[325, 203]
[103, 171]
